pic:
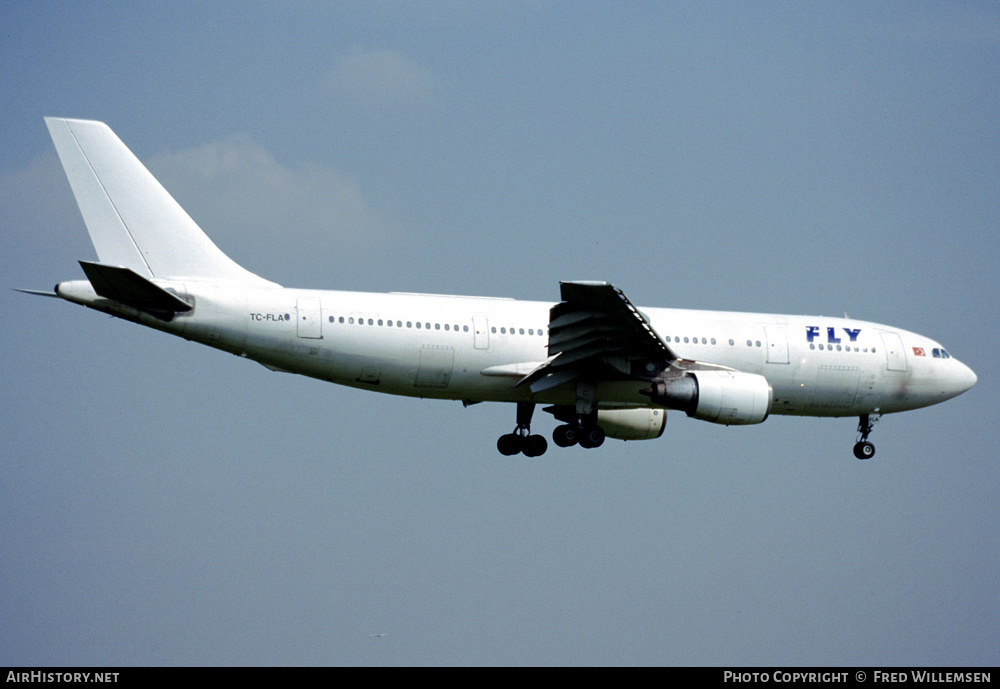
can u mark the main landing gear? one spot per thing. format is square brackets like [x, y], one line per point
[579, 422]
[521, 439]
[577, 429]
[585, 434]
[864, 449]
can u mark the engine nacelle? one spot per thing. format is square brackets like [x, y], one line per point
[632, 424]
[726, 397]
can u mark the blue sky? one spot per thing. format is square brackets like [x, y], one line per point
[164, 503]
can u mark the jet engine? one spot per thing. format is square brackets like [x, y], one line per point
[724, 397]
[632, 424]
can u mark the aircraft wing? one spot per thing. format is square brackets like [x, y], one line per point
[596, 333]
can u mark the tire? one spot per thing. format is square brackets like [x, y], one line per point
[534, 446]
[509, 444]
[592, 437]
[864, 450]
[565, 436]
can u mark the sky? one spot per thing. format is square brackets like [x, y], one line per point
[164, 503]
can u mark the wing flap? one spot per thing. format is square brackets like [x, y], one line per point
[551, 380]
[593, 332]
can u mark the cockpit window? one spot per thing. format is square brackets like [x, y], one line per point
[940, 353]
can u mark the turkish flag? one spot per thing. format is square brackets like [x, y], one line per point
[919, 351]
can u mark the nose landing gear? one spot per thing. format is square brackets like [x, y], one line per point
[864, 449]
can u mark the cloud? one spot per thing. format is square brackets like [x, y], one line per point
[252, 205]
[382, 77]
[42, 231]
[300, 224]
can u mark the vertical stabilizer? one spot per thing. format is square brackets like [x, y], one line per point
[133, 221]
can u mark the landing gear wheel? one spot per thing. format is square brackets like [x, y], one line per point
[592, 437]
[864, 450]
[534, 446]
[566, 435]
[509, 444]
[521, 439]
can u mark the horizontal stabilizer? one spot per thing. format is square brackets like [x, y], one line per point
[36, 292]
[129, 288]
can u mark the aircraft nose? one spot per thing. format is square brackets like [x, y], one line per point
[962, 378]
[965, 378]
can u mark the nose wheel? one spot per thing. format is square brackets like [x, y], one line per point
[864, 449]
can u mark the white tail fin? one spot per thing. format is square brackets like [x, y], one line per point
[132, 220]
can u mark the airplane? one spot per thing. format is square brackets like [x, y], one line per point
[604, 367]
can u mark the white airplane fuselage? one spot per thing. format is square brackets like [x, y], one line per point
[461, 348]
[605, 367]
